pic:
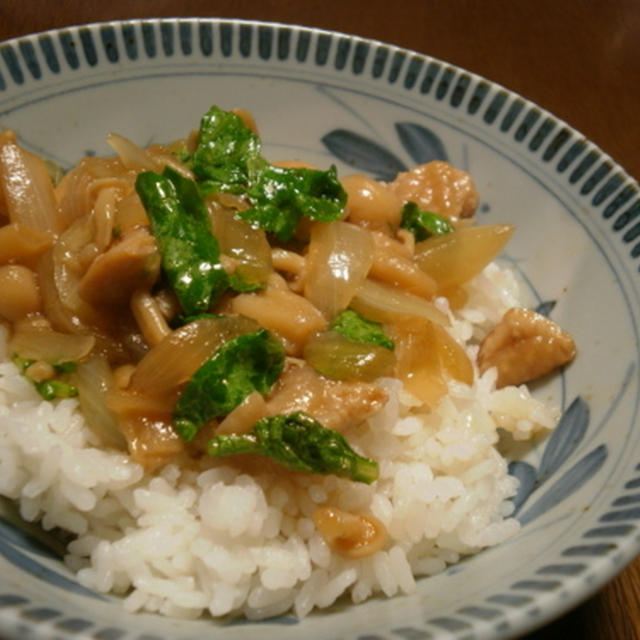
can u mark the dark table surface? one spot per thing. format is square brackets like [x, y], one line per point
[580, 59]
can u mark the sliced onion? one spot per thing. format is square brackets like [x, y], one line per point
[94, 380]
[168, 365]
[130, 404]
[104, 213]
[77, 190]
[58, 314]
[386, 303]
[147, 427]
[454, 258]
[68, 257]
[27, 187]
[245, 244]
[66, 268]
[34, 341]
[427, 357]
[340, 256]
[130, 212]
[245, 415]
[335, 356]
[131, 155]
[22, 244]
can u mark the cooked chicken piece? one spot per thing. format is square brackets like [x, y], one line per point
[335, 404]
[392, 263]
[524, 346]
[371, 204]
[289, 315]
[131, 263]
[438, 187]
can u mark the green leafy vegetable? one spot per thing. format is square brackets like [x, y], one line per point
[423, 224]
[238, 282]
[299, 443]
[281, 197]
[50, 389]
[65, 367]
[356, 327]
[180, 224]
[250, 362]
[228, 159]
[225, 150]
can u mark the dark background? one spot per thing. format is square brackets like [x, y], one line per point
[580, 59]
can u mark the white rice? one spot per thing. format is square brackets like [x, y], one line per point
[187, 542]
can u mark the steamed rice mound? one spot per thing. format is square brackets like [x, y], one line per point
[212, 538]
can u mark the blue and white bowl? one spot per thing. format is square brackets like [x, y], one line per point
[333, 98]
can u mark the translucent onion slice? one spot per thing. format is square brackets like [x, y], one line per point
[170, 364]
[130, 212]
[245, 415]
[129, 404]
[454, 360]
[35, 341]
[22, 244]
[58, 314]
[131, 155]
[340, 256]
[77, 190]
[247, 245]
[335, 356]
[27, 187]
[164, 158]
[454, 258]
[146, 426]
[94, 380]
[427, 357]
[386, 303]
[67, 267]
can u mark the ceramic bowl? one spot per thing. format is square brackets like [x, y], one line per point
[371, 107]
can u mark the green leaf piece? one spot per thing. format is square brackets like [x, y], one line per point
[180, 224]
[281, 197]
[51, 389]
[228, 159]
[65, 367]
[356, 327]
[248, 363]
[423, 224]
[299, 443]
[225, 148]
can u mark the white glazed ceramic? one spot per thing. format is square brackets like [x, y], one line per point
[330, 98]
